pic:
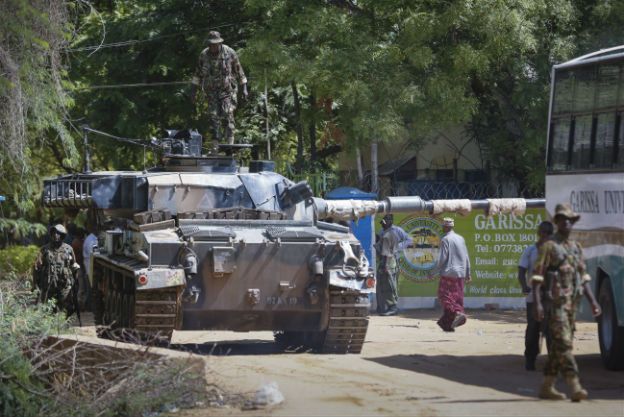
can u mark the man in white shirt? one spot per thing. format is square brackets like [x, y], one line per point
[534, 327]
[87, 249]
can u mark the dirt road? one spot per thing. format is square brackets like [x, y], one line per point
[409, 367]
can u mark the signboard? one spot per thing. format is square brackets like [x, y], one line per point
[494, 246]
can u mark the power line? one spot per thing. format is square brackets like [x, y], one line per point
[132, 85]
[138, 41]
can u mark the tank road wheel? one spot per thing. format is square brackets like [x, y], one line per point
[610, 334]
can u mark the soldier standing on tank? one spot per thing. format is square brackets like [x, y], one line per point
[218, 75]
[392, 240]
[55, 270]
[560, 269]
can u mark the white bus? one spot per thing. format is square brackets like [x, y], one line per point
[585, 167]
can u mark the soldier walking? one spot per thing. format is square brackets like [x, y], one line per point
[55, 270]
[560, 269]
[391, 241]
[218, 75]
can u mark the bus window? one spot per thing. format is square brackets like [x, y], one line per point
[564, 89]
[618, 146]
[608, 80]
[584, 89]
[605, 135]
[582, 141]
[560, 134]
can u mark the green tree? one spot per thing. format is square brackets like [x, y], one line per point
[33, 100]
[372, 70]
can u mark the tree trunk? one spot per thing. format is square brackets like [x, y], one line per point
[313, 154]
[360, 170]
[374, 171]
[298, 128]
[266, 116]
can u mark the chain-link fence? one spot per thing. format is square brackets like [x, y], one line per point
[436, 190]
[322, 182]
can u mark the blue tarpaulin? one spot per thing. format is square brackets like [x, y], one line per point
[363, 229]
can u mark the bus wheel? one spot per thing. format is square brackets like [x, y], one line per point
[610, 334]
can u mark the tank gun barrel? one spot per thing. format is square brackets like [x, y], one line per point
[355, 209]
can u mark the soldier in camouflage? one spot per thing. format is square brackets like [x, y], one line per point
[218, 75]
[55, 270]
[560, 269]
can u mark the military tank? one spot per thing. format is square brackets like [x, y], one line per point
[200, 243]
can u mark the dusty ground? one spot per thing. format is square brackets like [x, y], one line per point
[408, 367]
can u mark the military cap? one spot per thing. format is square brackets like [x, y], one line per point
[59, 229]
[214, 37]
[448, 221]
[564, 210]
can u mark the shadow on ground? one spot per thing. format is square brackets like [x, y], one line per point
[229, 348]
[505, 373]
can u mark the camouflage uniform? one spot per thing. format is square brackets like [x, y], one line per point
[54, 275]
[217, 76]
[564, 266]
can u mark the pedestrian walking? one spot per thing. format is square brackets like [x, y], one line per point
[54, 272]
[218, 75]
[560, 269]
[90, 242]
[454, 268]
[534, 327]
[392, 240]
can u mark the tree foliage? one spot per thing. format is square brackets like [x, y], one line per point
[34, 97]
[365, 70]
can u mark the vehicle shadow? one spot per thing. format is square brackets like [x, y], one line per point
[506, 373]
[232, 348]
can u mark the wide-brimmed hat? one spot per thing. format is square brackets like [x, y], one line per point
[214, 37]
[59, 228]
[565, 210]
[448, 221]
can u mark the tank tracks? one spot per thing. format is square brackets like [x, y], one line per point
[347, 325]
[348, 322]
[147, 316]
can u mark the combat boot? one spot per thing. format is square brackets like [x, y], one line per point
[578, 393]
[548, 390]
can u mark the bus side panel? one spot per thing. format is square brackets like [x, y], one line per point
[613, 267]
